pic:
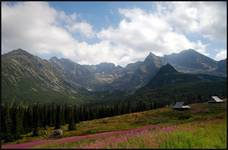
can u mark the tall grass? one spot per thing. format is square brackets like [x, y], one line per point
[211, 136]
[206, 134]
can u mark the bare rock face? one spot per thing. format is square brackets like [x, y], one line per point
[56, 134]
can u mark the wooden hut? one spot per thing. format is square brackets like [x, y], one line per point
[181, 106]
[215, 103]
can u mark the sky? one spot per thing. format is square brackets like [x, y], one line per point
[116, 32]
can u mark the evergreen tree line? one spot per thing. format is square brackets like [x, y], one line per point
[18, 119]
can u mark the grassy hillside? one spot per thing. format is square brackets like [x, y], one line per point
[189, 129]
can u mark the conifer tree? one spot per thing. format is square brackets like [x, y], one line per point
[3, 119]
[57, 120]
[8, 124]
[35, 120]
[71, 121]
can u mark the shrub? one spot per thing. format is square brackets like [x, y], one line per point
[56, 133]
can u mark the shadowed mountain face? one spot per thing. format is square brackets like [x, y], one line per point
[170, 85]
[166, 69]
[190, 61]
[25, 76]
[167, 75]
[221, 66]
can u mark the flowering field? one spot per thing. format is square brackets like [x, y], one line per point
[161, 128]
[207, 134]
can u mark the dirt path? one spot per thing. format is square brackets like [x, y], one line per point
[78, 138]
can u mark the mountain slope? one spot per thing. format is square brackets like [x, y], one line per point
[138, 74]
[168, 86]
[26, 77]
[191, 61]
[91, 77]
[31, 79]
[167, 75]
[221, 67]
[147, 70]
[107, 76]
[73, 73]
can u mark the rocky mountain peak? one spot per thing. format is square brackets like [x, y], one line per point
[151, 56]
[54, 59]
[18, 52]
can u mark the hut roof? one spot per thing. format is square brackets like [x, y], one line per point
[216, 99]
[178, 105]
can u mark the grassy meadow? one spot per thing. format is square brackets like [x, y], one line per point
[195, 128]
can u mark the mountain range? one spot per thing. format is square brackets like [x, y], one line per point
[28, 77]
[107, 76]
[169, 86]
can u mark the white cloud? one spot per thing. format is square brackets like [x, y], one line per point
[221, 54]
[35, 27]
[32, 26]
[41, 29]
[73, 25]
[206, 18]
[82, 27]
[146, 32]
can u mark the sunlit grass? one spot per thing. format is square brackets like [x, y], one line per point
[208, 136]
[197, 134]
[77, 144]
[186, 124]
